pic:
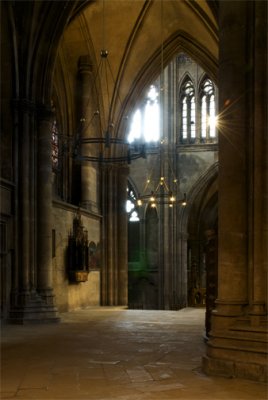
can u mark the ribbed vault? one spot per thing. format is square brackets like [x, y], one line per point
[134, 38]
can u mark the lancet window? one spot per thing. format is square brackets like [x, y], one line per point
[145, 123]
[208, 110]
[55, 147]
[130, 205]
[188, 111]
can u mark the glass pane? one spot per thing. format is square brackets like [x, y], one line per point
[151, 122]
[212, 117]
[204, 118]
[208, 86]
[134, 217]
[129, 206]
[184, 118]
[55, 146]
[135, 130]
[153, 94]
[193, 118]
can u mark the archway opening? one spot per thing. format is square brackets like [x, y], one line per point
[188, 145]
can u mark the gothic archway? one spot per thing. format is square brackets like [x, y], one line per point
[202, 249]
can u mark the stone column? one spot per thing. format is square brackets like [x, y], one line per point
[161, 259]
[24, 184]
[108, 236]
[181, 282]
[114, 236]
[89, 119]
[44, 212]
[142, 235]
[122, 237]
[258, 150]
[32, 180]
[167, 246]
[24, 206]
[44, 202]
[232, 164]
[34, 299]
[242, 206]
[104, 234]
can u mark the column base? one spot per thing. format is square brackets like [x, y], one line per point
[32, 308]
[240, 351]
[234, 369]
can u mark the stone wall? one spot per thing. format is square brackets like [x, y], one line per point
[6, 244]
[193, 163]
[70, 295]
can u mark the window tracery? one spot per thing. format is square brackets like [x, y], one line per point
[55, 147]
[130, 205]
[208, 110]
[196, 120]
[146, 119]
[188, 114]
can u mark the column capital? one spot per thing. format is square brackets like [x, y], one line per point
[115, 167]
[24, 105]
[45, 112]
[85, 65]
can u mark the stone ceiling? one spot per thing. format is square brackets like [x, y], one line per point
[140, 37]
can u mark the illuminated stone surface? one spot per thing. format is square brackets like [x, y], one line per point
[115, 354]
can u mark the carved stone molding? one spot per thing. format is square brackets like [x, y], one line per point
[24, 105]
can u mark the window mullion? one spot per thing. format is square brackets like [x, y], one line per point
[207, 117]
[188, 119]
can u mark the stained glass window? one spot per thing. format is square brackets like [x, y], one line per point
[55, 147]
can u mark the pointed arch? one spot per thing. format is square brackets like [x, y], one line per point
[201, 186]
[175, 44]
[185, 78]
[131, 204]
[208, 109]
[187, 110]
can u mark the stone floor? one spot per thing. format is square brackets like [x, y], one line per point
[115, 354]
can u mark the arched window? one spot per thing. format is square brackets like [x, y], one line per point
[188, 112]
[57, 161]
[208, 111]
[133, 227]
[145, 124]
[130, 205]
[55, 147]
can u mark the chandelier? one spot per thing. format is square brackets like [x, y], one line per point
[164, 189]
[107, 147]
[161, 195]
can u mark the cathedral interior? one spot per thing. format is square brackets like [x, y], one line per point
[134, 167]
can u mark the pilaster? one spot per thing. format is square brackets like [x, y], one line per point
[32, 297]
[44, 212]
[122, 237]
[237, 345]
[89, 127]
[114, 235]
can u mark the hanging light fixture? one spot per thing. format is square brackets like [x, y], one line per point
[165, 188]
[110, 148]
